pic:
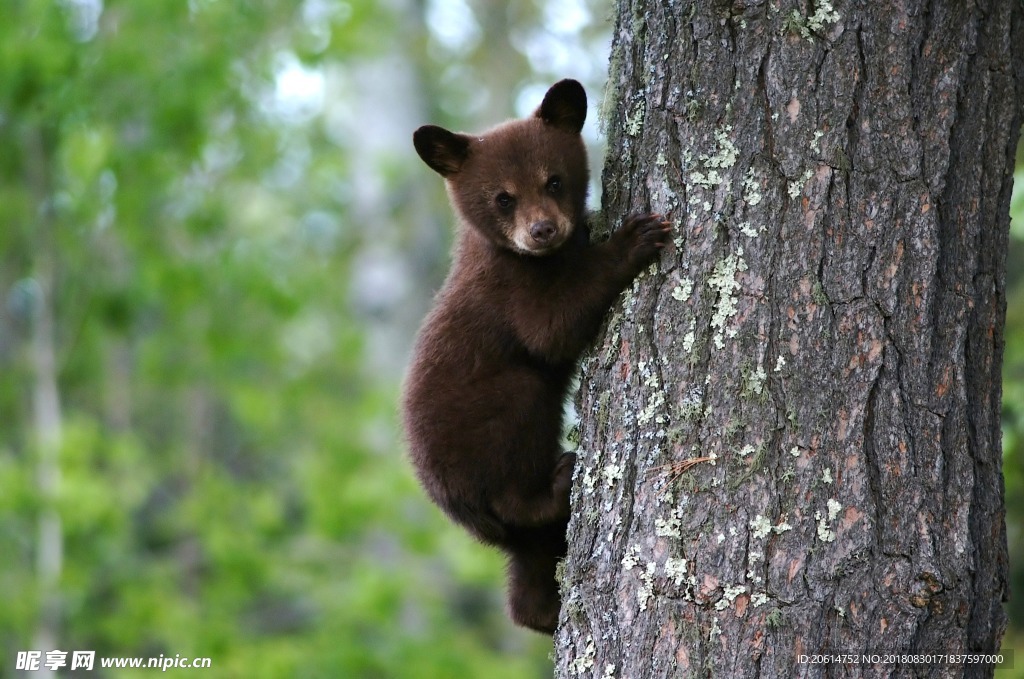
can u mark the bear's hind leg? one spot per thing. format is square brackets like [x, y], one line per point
[533, 597]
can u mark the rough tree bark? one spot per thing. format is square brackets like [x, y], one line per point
[789, 432]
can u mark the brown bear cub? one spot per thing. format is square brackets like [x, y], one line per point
[525, 296]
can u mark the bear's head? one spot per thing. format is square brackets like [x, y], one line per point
[523, 184]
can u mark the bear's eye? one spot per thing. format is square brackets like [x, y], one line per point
[554, 184]
[505, 201]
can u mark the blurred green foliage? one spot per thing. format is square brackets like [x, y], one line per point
[204, 198]
[1013, 419]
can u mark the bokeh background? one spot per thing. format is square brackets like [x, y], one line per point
[216, 243]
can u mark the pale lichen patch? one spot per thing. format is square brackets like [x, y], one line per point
[683, 290]
[630, 559]
[796, 187]
[587, 481]
[635, 119]
[675, 569]
[825, 532]
[727, 151]
[751, 189]
[816, 141]
[667, 528]
[585, 661]
[756, 380]
[761, 526]
[708, 180]
[646, 590]
[723, 281]
[747, 230]
[725, 156]
[611, 473]
[689, 338]
[729, 594]
[656, 399]
[824, 13]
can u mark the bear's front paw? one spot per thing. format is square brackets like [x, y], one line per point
[643, 235]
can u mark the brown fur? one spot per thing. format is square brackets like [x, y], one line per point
[526, 294]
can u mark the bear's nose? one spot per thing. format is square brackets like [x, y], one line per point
[543, 231]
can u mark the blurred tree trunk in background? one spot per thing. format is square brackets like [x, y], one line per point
[504, 65]
[46, 408]
[790, 437]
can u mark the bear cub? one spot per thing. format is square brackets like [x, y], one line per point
[526, 294]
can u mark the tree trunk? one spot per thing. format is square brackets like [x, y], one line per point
[790, 438]
[47, 420]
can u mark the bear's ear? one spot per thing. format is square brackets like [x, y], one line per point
[443, 151]
[564, 106]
